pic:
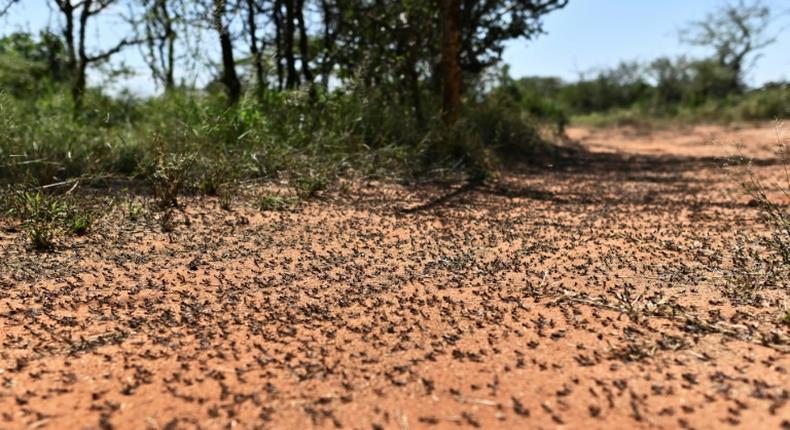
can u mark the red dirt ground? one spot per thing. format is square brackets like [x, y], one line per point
[600, 292]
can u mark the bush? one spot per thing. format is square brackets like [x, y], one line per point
[275, 203]
[665, 89]
[31, 66]
[309, 137]
[44, 216]
[778, 219]
[766, 103]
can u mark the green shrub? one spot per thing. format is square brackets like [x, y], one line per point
[80, 225]
[308, 185]
[776, 215]
[275, 203]
[134, 210]
[189, 140]
[41, 215]
[169, 176]
[767, 103]
[41, 235]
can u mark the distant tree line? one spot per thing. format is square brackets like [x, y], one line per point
[735, 34]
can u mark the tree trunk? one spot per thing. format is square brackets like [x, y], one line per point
[160, 38]
[277, 17]
[170, 36]
[78, 85]
[451, 70]
[327, 59]
[229, 76]
[408, 50]
[68, 34]
[79, 80]
[257, 58]
[303, 43]
[67, 8]
[292, 78]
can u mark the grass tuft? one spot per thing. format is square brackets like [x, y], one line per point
[169, 177]
[776, 215]
[276, 203]
[309, 185]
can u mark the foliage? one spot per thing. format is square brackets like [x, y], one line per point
[275, 203]
[770, 102]
[702, 89]
[763, 261]
[169, 176]
[80, 223]
[660, 91]
[307, 186]
[31, 66]
[736, 31]
[134, 210]
[776, 214]
[44, 216]
[189, 141]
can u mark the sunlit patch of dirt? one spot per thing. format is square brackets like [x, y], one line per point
[587, 295]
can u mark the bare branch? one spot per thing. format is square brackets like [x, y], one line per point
[5, 8]
[102, 56]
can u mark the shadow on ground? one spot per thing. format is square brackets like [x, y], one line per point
[665, 180]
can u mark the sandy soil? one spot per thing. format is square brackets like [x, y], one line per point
[685, 140]
[594, 293]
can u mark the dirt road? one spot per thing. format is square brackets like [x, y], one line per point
[597, 293]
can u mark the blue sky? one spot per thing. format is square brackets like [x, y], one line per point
[585, 36]
[594, 34]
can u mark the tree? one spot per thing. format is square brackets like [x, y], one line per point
[304, 54]
[31, 66]
[473, 37]
[76, 18]
[416, 54]
[735, 32]
[229, 76]
[292, 78]
[6, 6]
[401, 48]
[451, 68]
[487, 24]
[159, 21]
[671, 79]
[256, 53]
[332, 22]
[277, 20]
